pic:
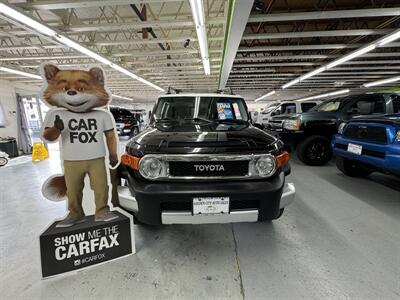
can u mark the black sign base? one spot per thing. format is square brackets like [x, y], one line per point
[68, 249]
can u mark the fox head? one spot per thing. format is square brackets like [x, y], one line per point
[75, 90]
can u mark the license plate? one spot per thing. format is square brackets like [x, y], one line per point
[356, 149]
[210, 205]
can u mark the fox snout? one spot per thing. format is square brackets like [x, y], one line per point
[72, 92]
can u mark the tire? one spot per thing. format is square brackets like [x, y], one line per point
[351, 168]
[278, 216]
[137, 222]
[135, 131]
[314, 150]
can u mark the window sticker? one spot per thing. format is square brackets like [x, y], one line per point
[224, 111]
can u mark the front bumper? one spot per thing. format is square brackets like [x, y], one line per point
[290, 139]
[170, 202]
[385, 158]
[124, 131]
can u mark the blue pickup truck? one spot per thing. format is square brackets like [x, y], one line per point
[365, 145]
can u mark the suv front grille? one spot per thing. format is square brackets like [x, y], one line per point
[373, 134]
[209, 168]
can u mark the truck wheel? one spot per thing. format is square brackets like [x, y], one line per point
[136, 221]
[278, 216]
[314, 150]
[351, 168]
[134, 132]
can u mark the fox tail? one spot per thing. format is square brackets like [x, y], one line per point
[54, 188]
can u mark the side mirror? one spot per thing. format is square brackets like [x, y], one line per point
[259, 126]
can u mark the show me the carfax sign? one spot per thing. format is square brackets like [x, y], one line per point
[68, 249]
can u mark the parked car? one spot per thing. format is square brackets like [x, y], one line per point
[287, 109]
[264, 114]
[310, 133]
[365, 145]
[202, 161]
[125, 122]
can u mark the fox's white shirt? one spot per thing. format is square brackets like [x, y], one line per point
[83, 135]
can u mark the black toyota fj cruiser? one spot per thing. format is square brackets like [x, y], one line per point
[202, 161]
[310, 133]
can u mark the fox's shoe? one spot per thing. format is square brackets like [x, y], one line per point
[70, 221]
[105, 217]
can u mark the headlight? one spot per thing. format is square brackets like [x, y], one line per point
[397, 138]
[151, 167]
[266, 165]
[341, 127]
[292, 124]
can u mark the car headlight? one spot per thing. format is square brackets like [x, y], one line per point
[397, 138]
[341, 127]
[292, 124]
[266, 165]
[151, 167]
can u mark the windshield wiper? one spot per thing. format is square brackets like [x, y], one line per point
[200, 119]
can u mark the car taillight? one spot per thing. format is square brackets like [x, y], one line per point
[282, 159]
[130, 161]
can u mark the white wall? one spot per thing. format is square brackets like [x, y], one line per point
[8, 100]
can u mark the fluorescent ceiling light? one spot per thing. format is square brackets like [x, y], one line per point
[339, 92]
[351, 56]
[383, 81]
[378, 43]
[312, 73]
[121, 97]
[290, 83]
[20, 73]
[200, 23]
[389, 38]
[265, 96]
[20, 17]
[78, 47]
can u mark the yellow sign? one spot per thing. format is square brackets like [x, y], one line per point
[39, 152]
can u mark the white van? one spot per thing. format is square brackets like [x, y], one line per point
[284, 108]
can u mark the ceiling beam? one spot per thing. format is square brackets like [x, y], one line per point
[162, 53]
[311, 56]
[307, 47]
[322, 33]
[332, 14]
[63, 4]
[181, 39]
[104, 27]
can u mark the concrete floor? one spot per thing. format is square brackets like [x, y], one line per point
[339, 240]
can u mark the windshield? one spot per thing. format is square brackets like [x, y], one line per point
[270, 108]
[211, 109]
[331, 105]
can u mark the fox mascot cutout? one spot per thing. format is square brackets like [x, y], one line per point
[76, 97]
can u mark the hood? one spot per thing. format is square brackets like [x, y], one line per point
[282, 117]
[208, 138]
[314, 115]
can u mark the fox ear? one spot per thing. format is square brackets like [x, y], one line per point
[50, 71]
[97, 74]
